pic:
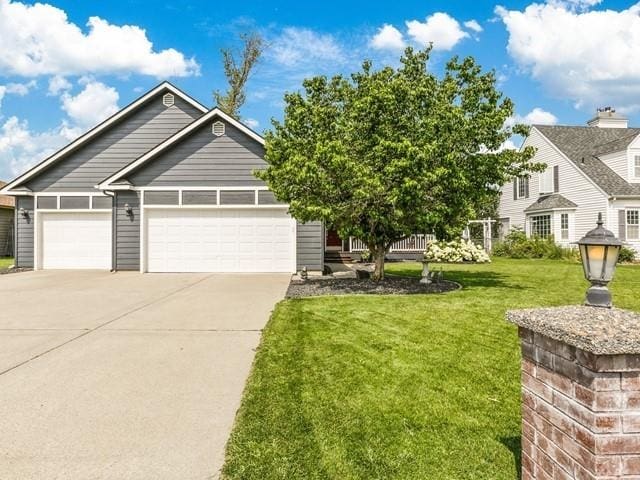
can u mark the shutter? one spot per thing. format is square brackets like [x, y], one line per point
[515, 188]
[556, 179]
[526, 185]
[622, 224]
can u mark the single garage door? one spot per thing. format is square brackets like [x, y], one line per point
[75, 240]
[220, 240]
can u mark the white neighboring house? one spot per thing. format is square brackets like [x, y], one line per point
[590, 169]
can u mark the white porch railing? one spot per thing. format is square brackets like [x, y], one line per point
[414, 243]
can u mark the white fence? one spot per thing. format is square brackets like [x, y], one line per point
[414, 243]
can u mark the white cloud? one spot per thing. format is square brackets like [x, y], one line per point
[20, 148]
[473, 25]
[440, 28]
[38, 39]
[537, 116]
[388, 38]
[252, 123]
[591, 56]
[58, 84]
[93, 104]
[297, 46]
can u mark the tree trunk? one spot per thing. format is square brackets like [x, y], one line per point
[378, 258]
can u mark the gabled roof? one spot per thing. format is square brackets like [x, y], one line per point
[6, 201]
[115, 180]
[550, 202]
[584, 145]
[83, 139]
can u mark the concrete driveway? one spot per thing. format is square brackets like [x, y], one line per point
[123, 375]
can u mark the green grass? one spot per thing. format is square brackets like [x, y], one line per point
[5, 262]
[403, 387]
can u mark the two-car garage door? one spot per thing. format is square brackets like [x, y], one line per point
[219, 240]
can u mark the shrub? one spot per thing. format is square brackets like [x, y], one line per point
[517, 245]
[627, 255]
[455, 252]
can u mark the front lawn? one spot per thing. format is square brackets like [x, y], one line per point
[5, 262]
[377, 387]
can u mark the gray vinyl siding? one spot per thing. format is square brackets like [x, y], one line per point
[6, 231]
[202, 159]
[161, 198]
[200, 198]
[127, 232]
[70, 203]
[310, 246]
[115, 148]
[266, 197]
[102, 202]
[24, 234]
[231, 197]
[47, 202]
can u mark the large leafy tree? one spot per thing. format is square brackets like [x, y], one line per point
[391, 152]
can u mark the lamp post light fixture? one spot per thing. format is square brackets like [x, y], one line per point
[599, 250]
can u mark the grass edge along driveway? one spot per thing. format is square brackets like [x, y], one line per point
[406, 387]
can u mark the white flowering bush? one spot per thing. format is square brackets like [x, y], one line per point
[455, 252]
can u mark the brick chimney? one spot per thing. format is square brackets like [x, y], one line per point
[606, 117]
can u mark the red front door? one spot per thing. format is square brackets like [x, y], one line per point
[333, 240]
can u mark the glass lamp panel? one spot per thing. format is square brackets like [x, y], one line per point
[596, 261]
[612, 258]
[585, 260]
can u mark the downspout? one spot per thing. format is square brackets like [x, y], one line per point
[114, 226]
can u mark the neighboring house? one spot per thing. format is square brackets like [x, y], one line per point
[7, 207]
[164, 185]
[590, 169]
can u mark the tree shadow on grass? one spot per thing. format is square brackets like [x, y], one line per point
[515, 445]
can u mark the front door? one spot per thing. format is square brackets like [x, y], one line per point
[333, 241]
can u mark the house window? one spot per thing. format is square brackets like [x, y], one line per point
[523, 186]
[636, 166]
[564, 226]
[633, 224]
[541, 226]
[546, 181]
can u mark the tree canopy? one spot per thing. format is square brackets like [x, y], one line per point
[387, 153]
[237, 73]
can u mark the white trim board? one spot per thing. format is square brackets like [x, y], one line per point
[98, 129]
[216, 112]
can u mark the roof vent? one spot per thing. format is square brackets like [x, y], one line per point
[218, 129]
[167, 99]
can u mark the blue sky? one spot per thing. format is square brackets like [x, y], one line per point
[66, 65]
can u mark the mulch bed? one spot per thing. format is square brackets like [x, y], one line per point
[352, 286]
[4, 271]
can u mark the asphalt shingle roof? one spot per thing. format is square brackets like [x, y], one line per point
[548, 202]
[584, 145]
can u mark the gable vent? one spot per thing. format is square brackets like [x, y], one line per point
[167, 99]
[218, 129]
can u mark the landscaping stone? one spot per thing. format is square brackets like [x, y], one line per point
[349, 286]
[4, 271]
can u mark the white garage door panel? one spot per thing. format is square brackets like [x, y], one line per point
[75, 240]
[220, 240]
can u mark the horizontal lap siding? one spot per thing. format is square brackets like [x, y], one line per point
[229, 197]
[116, 147]
[202, 159]
[127, 234]
[266, 197]
[24, 244]
[200, 198]
[162, 198]
[310, 246]
[74, 202]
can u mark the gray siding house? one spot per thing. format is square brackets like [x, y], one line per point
[164, 185]
[590, 169]
[7, 207]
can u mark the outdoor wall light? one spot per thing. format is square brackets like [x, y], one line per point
[23, 213]
[599, 251]
[128, 210]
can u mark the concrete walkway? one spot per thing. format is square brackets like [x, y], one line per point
[125, 376]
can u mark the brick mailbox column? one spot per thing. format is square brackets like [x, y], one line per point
[580, 393]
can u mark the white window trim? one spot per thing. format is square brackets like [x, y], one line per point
[545, 213]
[518, 182]
[626, 223]
[635, 167]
